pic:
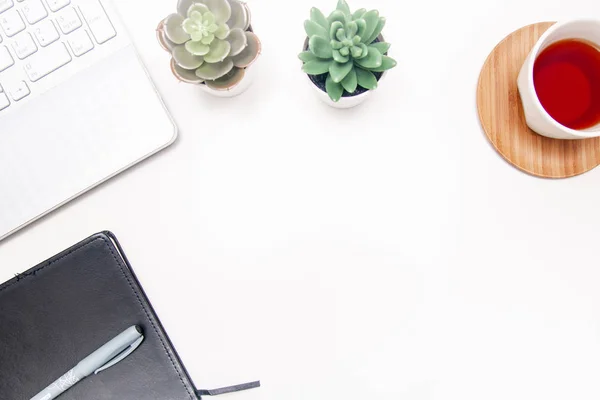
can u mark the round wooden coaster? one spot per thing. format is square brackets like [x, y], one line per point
[503, 120]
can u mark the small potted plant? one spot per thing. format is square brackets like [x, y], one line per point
[345, 55]
[212, 44]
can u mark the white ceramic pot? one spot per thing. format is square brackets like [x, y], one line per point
[345, 102]
[237, 90]
[537, 118]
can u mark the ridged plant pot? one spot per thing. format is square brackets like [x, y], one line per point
[241, 87]
[347, 101]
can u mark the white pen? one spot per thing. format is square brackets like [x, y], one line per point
[105, 357]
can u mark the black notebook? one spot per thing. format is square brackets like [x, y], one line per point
[56, 314]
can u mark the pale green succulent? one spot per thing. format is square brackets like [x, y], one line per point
[211, 42]
[346, 47]
[206, 36]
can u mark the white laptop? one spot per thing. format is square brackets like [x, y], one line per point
[76, 105]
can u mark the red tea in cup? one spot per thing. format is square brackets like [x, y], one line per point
[566, 77]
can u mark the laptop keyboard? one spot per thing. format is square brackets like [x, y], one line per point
[39, 37]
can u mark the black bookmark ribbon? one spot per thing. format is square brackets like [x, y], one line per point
[229, 389]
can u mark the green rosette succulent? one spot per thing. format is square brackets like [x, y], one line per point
[346, 46]
[211, 42]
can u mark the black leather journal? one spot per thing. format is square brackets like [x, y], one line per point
[59, 312]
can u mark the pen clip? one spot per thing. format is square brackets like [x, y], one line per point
[121, 356]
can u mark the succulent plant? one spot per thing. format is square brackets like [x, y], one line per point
[211, 42]
[346, 47]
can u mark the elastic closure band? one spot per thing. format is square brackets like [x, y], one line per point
[229, 389]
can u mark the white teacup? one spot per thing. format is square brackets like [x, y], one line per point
[537, 117]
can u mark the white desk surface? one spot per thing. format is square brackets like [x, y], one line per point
[385, 252]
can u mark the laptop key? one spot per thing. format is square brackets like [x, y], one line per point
[46, 61]
[80, 42]
[5, 5]
[55, 5]
[11, 22]
[23, 45]
[6, 59]
[4, 102]
[99, 23]
[46, 33]
[34, 11]
[68, 20]
[18, 90]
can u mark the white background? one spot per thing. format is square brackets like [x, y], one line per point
[386, 252]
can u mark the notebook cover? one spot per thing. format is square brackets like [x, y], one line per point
[59, 312]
